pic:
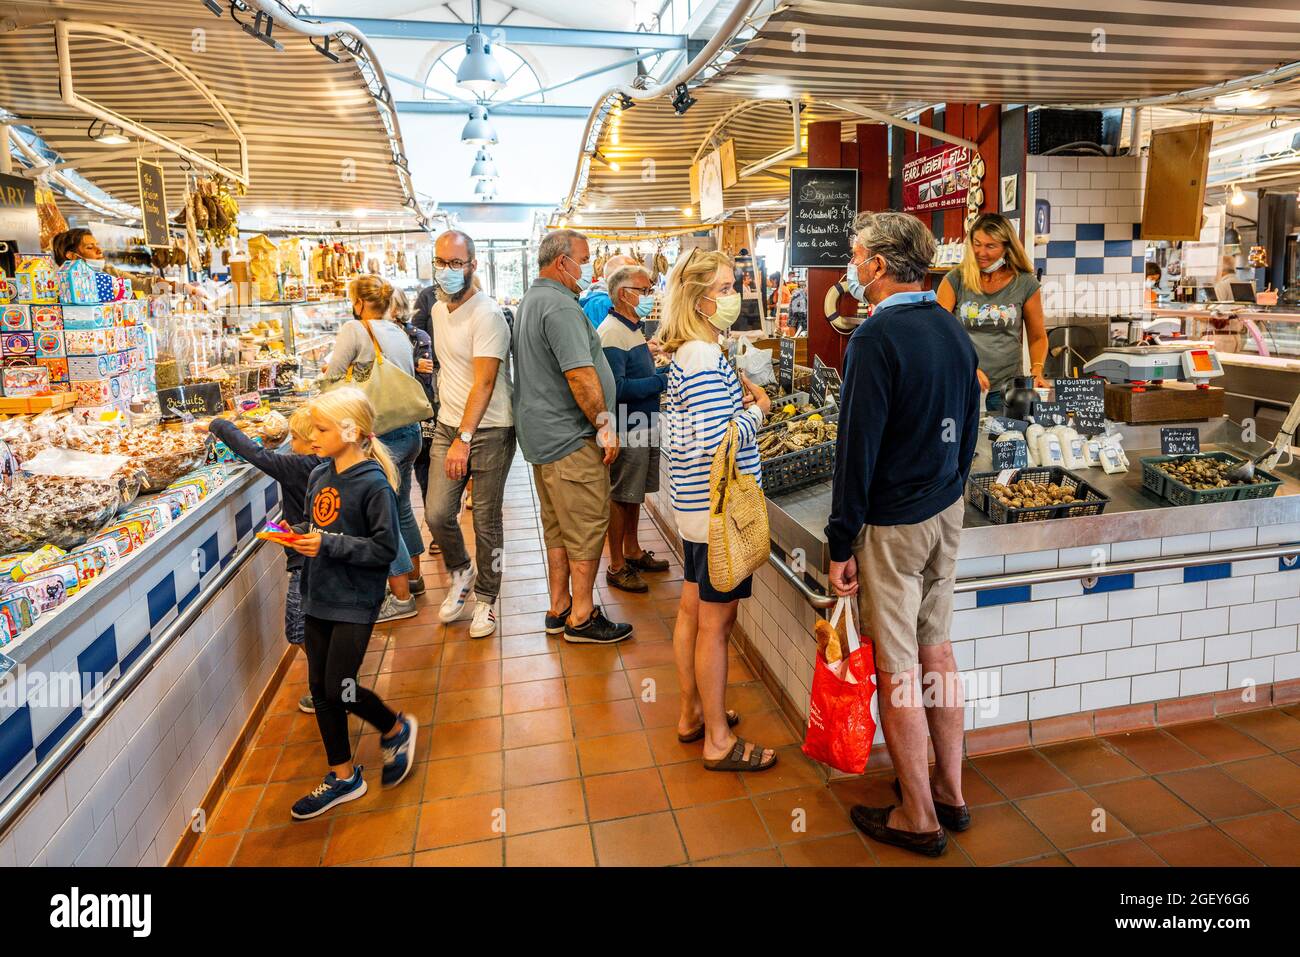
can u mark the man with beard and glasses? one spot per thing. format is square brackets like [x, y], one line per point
[475, 436]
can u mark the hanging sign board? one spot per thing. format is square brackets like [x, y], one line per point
[936, 178]
[785, 366]
[153, 205]
[18, 219]
[823, 205]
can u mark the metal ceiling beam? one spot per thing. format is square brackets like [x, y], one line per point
[380, 29]
[503, 109]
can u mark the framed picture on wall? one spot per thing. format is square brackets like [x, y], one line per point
[1009, 184]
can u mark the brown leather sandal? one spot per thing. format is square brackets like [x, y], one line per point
[733, 719]
[736, 760]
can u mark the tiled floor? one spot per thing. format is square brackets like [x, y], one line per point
[534, 752]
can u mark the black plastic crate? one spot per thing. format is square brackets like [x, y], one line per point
[1088, 501]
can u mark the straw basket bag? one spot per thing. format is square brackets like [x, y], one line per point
[738, 537]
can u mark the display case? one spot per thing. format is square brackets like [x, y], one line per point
[305, 329]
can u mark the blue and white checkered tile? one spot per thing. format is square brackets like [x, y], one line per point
[1092, 249]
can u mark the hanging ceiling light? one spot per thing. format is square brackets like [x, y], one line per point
[1238, 197]
[484, 187]
[478, 129]
[483, 165]
[107, 133]
[479, 72]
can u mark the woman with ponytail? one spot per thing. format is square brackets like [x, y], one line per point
[372, 304]
[350, 539]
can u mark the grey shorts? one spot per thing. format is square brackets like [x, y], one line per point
[636, 470]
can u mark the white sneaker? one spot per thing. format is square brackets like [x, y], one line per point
[485, 619]
[462, 584]
[394, 609]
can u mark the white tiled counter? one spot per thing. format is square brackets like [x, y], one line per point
[1108, 648]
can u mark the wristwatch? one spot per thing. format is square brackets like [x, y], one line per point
[466, 437]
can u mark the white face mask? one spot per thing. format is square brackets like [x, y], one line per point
[996, 265]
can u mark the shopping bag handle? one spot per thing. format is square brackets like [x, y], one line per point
[844, 604]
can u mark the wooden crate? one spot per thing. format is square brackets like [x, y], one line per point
[1170, 402]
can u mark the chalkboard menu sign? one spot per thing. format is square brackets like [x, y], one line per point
[1181, 441]
[823, 205]
[200, 399]
[153, 205]
[997, 424]
[825, 381]
[1086, 399]
[785, 366]
[1048, 414]
[1010, 455]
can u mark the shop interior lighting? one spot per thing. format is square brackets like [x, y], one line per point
[107, 133]
[776, 92]
[479, 130]
[682, 99]
[688, 211]
[625, 102]
[260, 28]
[606, 161]
[483, 165]
[1238, 197]
[1241, 99]
[216, 9]
[479, 72]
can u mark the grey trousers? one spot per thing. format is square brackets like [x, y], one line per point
[490, 455]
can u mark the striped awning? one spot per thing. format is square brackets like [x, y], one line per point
[318, 140]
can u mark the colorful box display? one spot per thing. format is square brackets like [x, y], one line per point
[24, 381]
[50, 345]
[78, 283]
[103, 287]
[88, 317]
[88, 342]
[18, 344]
[15, 318]
[8, 288]
[93, 392]
[47, 318]
[37, 281]
[60, 380]
[88, 367]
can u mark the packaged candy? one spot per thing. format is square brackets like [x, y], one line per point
[49, 590]
[16, 318]
[19, 611]
[24, 381]
[44, 556]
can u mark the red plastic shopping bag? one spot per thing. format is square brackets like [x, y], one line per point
[840, 723]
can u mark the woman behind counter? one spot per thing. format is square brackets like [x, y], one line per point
[994, 295]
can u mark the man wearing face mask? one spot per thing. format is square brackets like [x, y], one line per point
[909, 414]
[638, 385]
[597, 300]
[564, 415]
[475, 436]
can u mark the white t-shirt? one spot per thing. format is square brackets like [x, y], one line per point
[476, 330]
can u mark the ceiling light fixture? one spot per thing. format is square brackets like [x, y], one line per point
[688, 211]
[1238, 197]
[483, 165]
[682, 99]
[1241, 99]
[625, 102]
[775, 92]
[479, 72]
[107, 133]
[479, 130]
[216, 9]
[260, 28]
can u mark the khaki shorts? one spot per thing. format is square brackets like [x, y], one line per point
[574, 494]
[905, 575]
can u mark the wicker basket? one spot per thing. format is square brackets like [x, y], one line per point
[1088, 501]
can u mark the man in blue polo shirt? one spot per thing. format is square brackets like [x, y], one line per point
[596, 302]
[909, 418]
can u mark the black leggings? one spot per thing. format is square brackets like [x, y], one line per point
[422, 468]
[334, 653]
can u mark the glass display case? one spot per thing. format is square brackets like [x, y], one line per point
[305, 329]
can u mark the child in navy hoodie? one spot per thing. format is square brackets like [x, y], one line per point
[349, 539]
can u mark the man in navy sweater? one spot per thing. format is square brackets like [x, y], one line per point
[638, 385]
[908, 423]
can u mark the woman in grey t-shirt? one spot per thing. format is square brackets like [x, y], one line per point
[994, 294]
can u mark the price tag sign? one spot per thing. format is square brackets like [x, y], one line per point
[1010, 455]
[1007, 476]
[1086, 399]
[1048, 414]
[785, 366]
[997, 424]
[1181, 441]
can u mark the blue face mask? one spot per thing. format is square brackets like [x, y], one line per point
[584, 274]
[645, 305]
[856, 289]
[450, 281]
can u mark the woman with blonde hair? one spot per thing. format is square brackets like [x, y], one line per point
[994, 294]
[372, 302]
[705, 398]
[350, 539]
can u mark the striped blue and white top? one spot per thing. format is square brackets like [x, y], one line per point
[704, 396]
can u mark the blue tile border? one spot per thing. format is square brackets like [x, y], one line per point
[1090, 232]
[1002, 596]
[1207, 573]
[55, 736]
[97, 660]
[15, 739]
[1106, 583]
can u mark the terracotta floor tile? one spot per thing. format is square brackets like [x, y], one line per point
[606, 717]
[299, 844]
[738, 672]
[749, 699]
[712, 830]
[359, 837]
[467, 705]
[215, 850]
[533, 696]
[845, 850]
[1072, 819]
[541, 763]
[542, 807]
[1051, 860]
[690, 784]
[648, 840]
[1145, 806]
[792, 769]
[1217, 741]
[1204, 846]
[766, 858]
[1090, 761]
[1279, 731]
[668, 750]
[471, 774]
[659, 681]
[274, 730]
[534, 605]
[872, 790]
[482, 854]
[802, 814]
[235, 810]
[625, 794]
[1020, 774]
[535, 642]
[397, 860]
[509, 625]
[414, 658]
[367, 750]
[422, 706]
[1273, 776]
[1156, 751]
[590, 689]
[1273, 837]
[589, 659]
[305, 760]
[413, 636]
[462, 820]
[662, 712]
[651, 646]
[615, 752]
[567, 847]
[468, 652]
[999, 834]
[1213, 793]
[257, 766]
[482, 674]
[1130, 853]
[531, 668]
[769, 729]
[1293, 756]
[886, 855]
[457, 738]
[529, 728]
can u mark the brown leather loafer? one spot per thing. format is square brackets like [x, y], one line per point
[954, 817]
[874, 822]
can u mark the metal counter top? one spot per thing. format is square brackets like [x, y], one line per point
[798, 520]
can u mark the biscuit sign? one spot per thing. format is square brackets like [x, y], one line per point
[936, 178]
[18, 219]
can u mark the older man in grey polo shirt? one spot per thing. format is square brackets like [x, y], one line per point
[564, 405]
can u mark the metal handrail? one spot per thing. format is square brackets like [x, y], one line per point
[1022, 579]
[12, 808]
